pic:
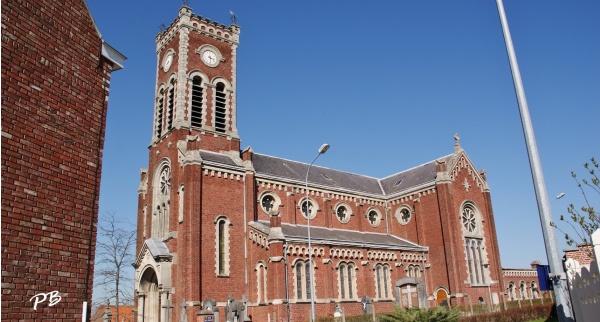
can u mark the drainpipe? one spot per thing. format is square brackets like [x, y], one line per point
[425, 278]
[387, 230]
[287, 289]
[245, 239]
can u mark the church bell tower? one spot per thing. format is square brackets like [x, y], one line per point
[194, 116]
[196, 82]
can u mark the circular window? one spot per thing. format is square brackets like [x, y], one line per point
[403, 214]
[343, 212]
[469, 219]
[309, 208]
[374, 217]
[269, 203]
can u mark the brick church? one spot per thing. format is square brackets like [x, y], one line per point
[225, 231]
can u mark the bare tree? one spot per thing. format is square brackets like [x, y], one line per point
[114, 255]
[583, 220]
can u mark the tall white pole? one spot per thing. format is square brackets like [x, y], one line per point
[563, 304]
[322, 150]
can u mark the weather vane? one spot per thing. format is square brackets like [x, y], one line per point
[186, 3]
[233, 17]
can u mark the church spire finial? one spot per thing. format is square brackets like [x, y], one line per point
[186, 3]
[456, 143]
[233, 17]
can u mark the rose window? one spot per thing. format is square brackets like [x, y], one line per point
[165, 181]
[469, 219]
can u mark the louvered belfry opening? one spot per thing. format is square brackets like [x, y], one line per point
[159, 115]
[171, 103]
[220, 108]
[197, 97]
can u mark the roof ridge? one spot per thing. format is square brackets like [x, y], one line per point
[420, 165]
[318, 166]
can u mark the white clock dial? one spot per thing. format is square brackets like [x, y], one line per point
[168, 62]
[209, 57]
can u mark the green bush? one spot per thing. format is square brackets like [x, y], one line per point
[351, 318]
[514, 315]
[421, 315]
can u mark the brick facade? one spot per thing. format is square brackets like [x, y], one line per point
[215, 222]
[55, 80]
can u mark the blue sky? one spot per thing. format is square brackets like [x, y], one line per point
[387, 84]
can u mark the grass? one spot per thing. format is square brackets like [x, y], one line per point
[545, 320]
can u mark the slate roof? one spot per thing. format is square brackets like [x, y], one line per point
[282, 168]
[217, 157]
[157, 247]
[343, 237]
[412, 177]
[269, 166]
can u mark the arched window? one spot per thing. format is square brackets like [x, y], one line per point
[534, 291]
[162, 200]
[197, 97]
[474, 246]
[220, 108]
[413, 271]
[523, 290]
[347, 280]
[302, 277]
[382, 281]
[222, 246]
[181, 199]
[511, 291]
[261, 282]
[170, 104]
[160, 104]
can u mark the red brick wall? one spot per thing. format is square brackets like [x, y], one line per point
[54, 88]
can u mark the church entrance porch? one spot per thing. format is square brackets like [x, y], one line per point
[149, 300]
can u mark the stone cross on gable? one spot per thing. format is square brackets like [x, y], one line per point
[466, 185]
[183, 306]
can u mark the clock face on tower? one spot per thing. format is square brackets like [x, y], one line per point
[209, 58]
[209, 55]
[168, 60]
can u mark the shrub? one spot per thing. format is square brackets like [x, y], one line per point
[351, 318]
[421, 315]
[514, 315]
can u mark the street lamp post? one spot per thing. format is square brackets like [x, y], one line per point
[322, 150]
[563, 305]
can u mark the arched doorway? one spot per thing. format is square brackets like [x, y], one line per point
[442, 297]
[149, 299]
